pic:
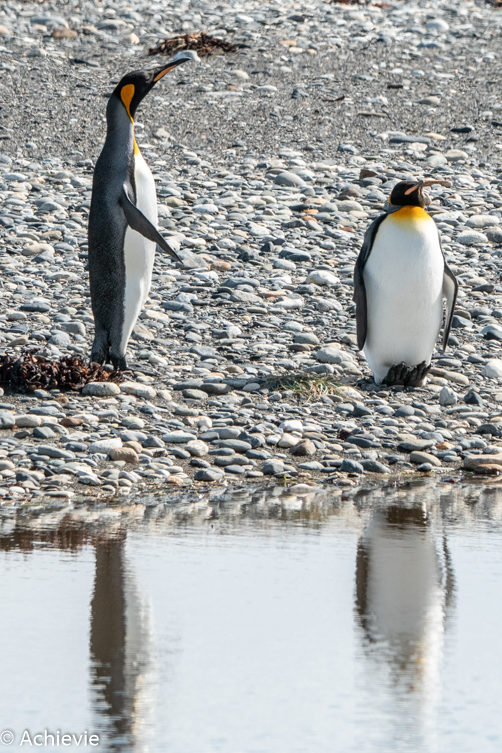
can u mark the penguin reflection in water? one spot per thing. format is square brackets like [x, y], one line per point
[400, 279]
[404, 599]
[123, 221]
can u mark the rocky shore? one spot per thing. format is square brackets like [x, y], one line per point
[269, 164]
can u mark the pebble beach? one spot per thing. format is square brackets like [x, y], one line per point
[270, 162]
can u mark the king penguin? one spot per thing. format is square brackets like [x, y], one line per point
[400, 279]
[123, 221]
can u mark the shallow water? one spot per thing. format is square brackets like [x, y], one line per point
[262, 622]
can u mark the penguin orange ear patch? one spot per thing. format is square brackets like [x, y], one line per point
[126, 95]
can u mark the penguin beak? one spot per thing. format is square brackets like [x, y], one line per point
[433, 181]
[159, 73]
[426, 183]
[181, 57]
[418, 188]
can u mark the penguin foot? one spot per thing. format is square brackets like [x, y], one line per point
[99, 356]
[408, 376]
[119, 362]
[418, 374]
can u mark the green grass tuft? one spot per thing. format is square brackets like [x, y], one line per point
[311, 385]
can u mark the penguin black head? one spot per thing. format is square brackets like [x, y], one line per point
[135, 85]
[407, 193]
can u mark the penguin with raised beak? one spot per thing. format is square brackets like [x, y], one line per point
[123, 221]
[400, 280]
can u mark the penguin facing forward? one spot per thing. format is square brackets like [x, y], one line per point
[123, 221]
[400, 279]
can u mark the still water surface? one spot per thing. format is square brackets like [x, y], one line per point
[266, 622]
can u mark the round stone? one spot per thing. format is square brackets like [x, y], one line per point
[351, 466]
[293, 424]
[456, 155]
[482, 220]
[419, 458]
[304, 448]
[332, 354]
[105, 446]
[7, 419]
[493, 369]
[60, 340]
[28, 422]
[273, 467]
[138, 390]
[101, 389]
[287, 441]
[323, 278]
[494, 235]
[209, 474]
[472, 238]
[289, 179]
[197, 448]
[127, 454]
[177, 437]
[437, 24]
[447, 397]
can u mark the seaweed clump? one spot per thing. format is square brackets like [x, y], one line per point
[201, 42]
[30, 372]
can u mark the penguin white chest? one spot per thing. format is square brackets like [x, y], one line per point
[139, 253]
[403, 278]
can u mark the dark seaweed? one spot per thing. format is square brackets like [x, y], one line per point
[201, 42]
[30, 372]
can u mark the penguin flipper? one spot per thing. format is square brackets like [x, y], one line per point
[450, 290]
[141, 224]
[359, 287]
[361, 306]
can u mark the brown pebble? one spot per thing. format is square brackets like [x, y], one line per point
[307, 447]
[442, 446]
[70, 421]
[175, 480]
[125, 453]
[134, 446]
[64, 34]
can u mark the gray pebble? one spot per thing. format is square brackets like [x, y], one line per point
[351, 466]
[208, 474]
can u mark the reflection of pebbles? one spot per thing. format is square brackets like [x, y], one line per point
[72, 528]
[403, 587]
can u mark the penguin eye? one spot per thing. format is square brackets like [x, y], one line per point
[126, 95]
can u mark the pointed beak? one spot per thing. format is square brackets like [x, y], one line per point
[161, 72]
[433, 181]
[414, 188]
[181, 57]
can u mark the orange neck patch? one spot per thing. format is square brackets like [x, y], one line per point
[410, 214]
[126, 95]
